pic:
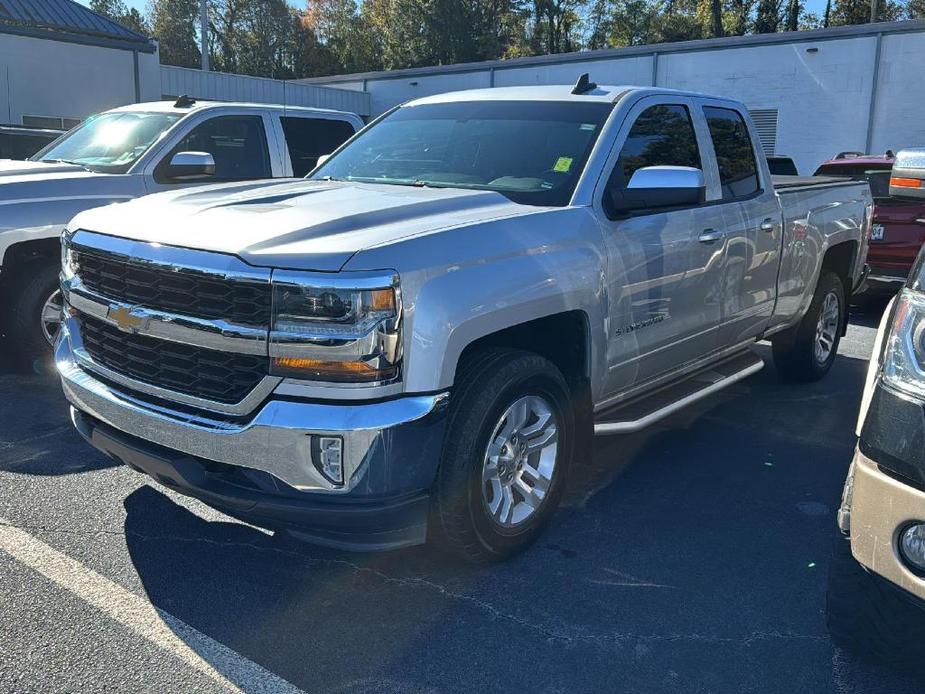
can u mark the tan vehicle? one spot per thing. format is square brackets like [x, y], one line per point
[876, 596]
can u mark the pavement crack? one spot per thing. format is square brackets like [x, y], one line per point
[598, 640]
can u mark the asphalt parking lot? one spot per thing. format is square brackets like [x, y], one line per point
[690, 558]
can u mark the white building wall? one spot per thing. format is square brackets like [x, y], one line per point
[39, 77]
[899, 110]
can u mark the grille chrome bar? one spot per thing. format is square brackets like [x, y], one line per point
[209, 334]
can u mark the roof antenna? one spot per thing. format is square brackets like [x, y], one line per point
[184, 101]
[583, 85]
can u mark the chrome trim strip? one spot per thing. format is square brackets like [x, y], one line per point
[219, 335]
[70, 333]
[170, 258]
[277, 440]
[380, 279]
[628, 427]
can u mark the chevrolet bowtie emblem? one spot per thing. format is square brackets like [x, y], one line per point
[125, 319]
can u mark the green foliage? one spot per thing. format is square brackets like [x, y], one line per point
[117, 11]
[173, 24]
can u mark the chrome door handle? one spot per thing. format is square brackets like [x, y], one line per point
[767, 225]
[710, 235]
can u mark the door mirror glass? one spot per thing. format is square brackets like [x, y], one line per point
[660, 186]
[907, 179]
[191, 166]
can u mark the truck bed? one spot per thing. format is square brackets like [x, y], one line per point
[787, 182]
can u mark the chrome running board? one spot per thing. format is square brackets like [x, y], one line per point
[643, 411]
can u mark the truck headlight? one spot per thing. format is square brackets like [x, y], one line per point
[904, 357]
[345, 330]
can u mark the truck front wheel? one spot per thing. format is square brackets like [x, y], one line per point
[807, 352]
[508, 446]
[35, 311]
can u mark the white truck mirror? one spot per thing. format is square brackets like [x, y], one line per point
[661, 186]
[189, 166]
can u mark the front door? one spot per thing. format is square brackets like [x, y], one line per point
[665, 266]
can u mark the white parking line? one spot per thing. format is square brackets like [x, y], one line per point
[223, 665]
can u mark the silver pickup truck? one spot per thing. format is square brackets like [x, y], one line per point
[421, 338]
[127, 152]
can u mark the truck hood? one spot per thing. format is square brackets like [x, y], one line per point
[309, 225]
[35, 181]
[13, 167]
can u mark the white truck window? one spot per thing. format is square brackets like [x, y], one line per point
[237, 143]
[309, 138]
[735, 156]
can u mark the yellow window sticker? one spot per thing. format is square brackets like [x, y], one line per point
[563, 164]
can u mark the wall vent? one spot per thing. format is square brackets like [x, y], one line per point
[765, 120]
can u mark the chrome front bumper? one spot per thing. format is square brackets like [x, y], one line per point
[389, 447]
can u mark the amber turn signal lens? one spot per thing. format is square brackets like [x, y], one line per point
[905, 182]
[339, 371]
[383, 299]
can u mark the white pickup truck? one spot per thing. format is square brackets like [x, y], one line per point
[122, 154]
[421, 338]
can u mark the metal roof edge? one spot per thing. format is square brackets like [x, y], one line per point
[51, 34]
[811, 36]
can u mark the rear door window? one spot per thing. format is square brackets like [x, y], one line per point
[735, 156]
[237, 143]
[309, 138]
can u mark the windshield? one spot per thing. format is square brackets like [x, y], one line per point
[110, 142]
[531, 152]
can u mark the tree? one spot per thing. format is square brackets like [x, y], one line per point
[767, 17]
[173, 23]
[117, 11]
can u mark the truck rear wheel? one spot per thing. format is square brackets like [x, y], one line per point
[35, 311]
[868, 616]
[508, 447]
[807, 352]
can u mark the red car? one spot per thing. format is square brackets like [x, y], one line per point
[898, 231]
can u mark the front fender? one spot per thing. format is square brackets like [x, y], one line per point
[460, 285]
[43, 218]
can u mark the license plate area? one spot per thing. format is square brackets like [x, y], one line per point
[876, 232]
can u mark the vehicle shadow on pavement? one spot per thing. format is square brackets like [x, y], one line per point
[691, 557]
[36, 435]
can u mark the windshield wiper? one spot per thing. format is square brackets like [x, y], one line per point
[64, 161]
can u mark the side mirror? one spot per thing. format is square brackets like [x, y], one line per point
[191, 166]
[907, 179]
[322, 159]
[660, 186]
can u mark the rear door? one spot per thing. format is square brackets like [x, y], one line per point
[752, 221]
[308, 137]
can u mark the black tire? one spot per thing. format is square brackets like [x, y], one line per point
[794, 351]
[487, 384]
[869, 616]
[28, 291]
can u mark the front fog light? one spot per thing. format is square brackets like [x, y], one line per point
[328, 457]
[912, 546]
